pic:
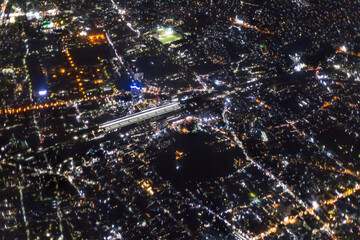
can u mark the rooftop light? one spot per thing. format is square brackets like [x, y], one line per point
[42, 92]
[239, 21]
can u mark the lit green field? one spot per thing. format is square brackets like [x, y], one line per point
[166, 35]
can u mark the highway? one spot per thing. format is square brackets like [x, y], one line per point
[140, 116]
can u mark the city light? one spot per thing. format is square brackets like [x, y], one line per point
[169, 31]
[42, 92]
[315, 205]
[135, 87]
[299, 67]
[179, 120]
[239, 21]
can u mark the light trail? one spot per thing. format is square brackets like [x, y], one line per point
[26, 222]
[344, 51]
[250, 4]
[134, 30]
[24, 213]
[58, 212]
[122, 13]
[16, 110]
[3, 9]
[69, 178]
[238, 23]
[113, 47]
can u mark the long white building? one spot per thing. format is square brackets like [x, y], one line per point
[140, 116]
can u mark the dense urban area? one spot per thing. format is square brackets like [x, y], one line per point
[177, 119]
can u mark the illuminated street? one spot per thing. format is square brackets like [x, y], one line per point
[179, 119]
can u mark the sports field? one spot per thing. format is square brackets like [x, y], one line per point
[166, 35]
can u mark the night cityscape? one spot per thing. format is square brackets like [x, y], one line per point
[176, 119]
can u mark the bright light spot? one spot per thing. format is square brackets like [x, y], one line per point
[299, 67]
[344, 48]
[83, 33]
[217, 82]
[323, 76]
[169, 31]
[239, 21]
[315, 205]
[135, 87]
[42, 92]
[337, 66]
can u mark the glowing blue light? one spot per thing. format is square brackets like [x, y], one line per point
[135, 87]
[42, 92]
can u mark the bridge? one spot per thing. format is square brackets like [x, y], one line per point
[140, 116]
